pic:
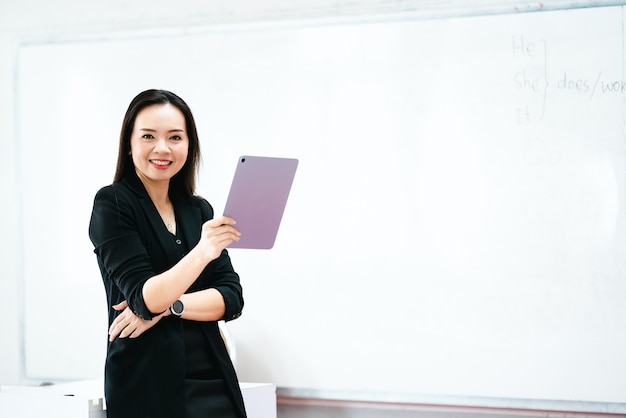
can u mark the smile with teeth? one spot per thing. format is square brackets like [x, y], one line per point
[161, 162]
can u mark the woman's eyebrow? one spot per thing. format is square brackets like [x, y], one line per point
[154, 130]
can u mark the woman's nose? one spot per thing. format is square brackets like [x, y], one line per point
[161, 146]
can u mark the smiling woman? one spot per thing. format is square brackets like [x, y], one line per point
[161, 291]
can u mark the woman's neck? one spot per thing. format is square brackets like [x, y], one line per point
[157, 190]
[159, 196]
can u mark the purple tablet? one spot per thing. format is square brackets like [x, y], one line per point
[258, 197]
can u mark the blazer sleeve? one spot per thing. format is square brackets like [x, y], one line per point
[121, 253]
[220, 275]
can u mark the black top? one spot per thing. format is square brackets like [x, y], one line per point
[145, 376]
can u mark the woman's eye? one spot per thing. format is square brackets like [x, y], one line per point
[176, 138]
[147, 136]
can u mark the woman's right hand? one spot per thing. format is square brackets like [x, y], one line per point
[129, 325]
[217, 234]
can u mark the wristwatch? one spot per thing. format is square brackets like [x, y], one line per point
[177, 308]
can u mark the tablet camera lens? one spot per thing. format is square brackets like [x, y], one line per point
[243, 160]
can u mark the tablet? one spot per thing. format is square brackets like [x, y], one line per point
[257, 199]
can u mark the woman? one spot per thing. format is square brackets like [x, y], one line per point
[167, 275]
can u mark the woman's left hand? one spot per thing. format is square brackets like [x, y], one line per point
[127, 324]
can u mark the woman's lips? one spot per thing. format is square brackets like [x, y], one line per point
[160, 164]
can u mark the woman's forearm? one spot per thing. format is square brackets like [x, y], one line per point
[160, 291]
[204, 305]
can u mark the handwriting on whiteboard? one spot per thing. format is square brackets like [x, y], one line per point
[535, 79]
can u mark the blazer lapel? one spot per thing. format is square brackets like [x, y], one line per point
[154, 219]
[189, 220]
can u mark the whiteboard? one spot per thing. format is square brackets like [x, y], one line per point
[456, 226]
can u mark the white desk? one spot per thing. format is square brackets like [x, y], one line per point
[85, 399]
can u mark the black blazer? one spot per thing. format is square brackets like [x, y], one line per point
[144, 376]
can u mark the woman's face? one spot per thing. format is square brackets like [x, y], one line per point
[159, 144]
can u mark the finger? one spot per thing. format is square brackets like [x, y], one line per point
[127, 331]
[115, 326]
[120, 322]
[224, 238]
[114, 332]
[227, 237]
[130, 327]
[120, 306]
[219, 221]
[218, 234]
[121, 318]
[138, 327]
[227, 230]
[136, 333]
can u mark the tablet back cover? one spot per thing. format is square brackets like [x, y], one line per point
[257, 199]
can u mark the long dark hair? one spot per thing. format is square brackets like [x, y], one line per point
[184, 181]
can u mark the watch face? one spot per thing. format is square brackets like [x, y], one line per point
[177, 308]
